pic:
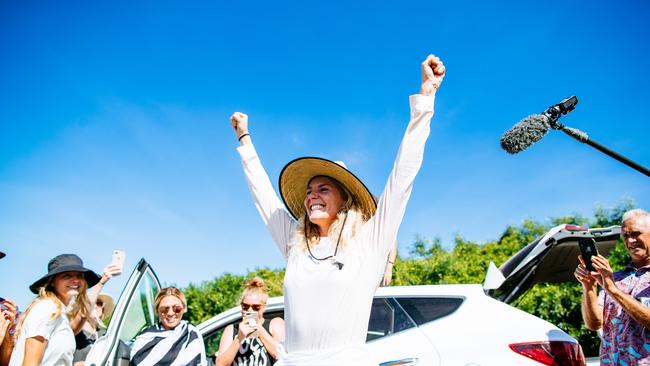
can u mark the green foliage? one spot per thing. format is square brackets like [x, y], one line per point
[466, 262]
[222, 293]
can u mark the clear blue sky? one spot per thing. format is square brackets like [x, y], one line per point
[114, 127]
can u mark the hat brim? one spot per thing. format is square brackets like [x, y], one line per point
[91, 277]
[109, 305]
[295, 177]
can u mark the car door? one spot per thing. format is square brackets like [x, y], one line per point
[394, 338]
[134, 311]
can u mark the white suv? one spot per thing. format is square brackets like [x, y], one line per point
[416, 325]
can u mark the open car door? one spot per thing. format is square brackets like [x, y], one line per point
[551, 258]
[134, 311]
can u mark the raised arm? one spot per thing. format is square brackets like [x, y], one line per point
[276, 218]
[397, 191]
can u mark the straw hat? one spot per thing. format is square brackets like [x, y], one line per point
[66, 263]
[297, 173]
[109, 305]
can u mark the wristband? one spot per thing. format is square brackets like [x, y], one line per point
[242, 136]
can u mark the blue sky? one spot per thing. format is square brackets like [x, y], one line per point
[114, 120]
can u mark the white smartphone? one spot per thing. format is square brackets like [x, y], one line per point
[118, 259]
[251, 318]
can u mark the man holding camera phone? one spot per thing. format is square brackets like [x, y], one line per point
[622, 310]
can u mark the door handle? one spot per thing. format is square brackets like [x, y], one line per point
[403, 362]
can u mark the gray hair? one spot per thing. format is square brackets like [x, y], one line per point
[636, 213]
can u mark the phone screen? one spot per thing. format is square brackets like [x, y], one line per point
[588, 250]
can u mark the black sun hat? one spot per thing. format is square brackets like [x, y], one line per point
[66, 263]
[297, 173]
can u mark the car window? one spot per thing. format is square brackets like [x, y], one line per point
[141, 312]
[425, 309]
[387, 317]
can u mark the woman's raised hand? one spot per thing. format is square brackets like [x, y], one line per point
[433, 71]
[239, 122]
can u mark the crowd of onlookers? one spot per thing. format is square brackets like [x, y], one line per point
[69, 313]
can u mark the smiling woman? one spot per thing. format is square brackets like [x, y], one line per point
[44, 335]
[334, 237]
[173, 341]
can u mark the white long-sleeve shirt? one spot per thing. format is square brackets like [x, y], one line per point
[327, 309]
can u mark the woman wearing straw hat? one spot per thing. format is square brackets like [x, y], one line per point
[334, 237]
[44, 335]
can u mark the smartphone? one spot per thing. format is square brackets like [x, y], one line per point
[588, 250]
[118, 259]
[251, 318]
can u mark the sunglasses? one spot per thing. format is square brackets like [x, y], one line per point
[255, 307]
[177, 309]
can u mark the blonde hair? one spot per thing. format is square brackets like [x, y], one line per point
[170, 291]
[80, 306]
[255, 286]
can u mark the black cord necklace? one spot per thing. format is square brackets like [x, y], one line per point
[336, 250]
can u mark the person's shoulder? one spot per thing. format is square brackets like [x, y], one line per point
[45, 306]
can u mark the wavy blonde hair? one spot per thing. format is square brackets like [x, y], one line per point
[346, 225]
[78, 307]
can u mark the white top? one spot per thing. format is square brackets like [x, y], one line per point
[56, 330]
[327, 309]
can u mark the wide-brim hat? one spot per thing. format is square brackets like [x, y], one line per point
[66, 263]
[109, 305]
[295, 177]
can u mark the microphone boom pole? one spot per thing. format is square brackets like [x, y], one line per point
[584, 138]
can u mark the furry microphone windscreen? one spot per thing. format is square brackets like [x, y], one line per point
[525, 133]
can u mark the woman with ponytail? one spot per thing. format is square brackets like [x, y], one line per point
[334, 237]
[44, 335]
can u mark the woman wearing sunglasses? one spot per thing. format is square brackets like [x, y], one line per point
[255, 340]
[334, 237]
[172, 341]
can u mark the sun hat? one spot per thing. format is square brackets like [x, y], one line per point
[66, 263]
[297, 173]
[109, 305]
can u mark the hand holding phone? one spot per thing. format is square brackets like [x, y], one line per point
[251, 318]
[118, 260]
[587, 250]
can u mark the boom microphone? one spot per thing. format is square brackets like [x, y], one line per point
[532, 128]
[525, 133]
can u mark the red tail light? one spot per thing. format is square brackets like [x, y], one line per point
[554, 353]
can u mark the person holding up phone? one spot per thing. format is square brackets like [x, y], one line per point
[622, 309]
[8, 312]
[255, 340]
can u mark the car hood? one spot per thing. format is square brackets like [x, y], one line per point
[551, 258]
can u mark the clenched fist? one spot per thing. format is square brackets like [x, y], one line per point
[433, 71]
[239, 122]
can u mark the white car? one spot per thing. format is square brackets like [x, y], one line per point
[415, 325]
